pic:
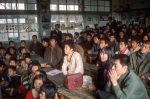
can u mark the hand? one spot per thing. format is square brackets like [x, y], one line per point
[143, 77]
[91, 87]
[113, 77]
[48, 65]
[89, 52]
[11, 92]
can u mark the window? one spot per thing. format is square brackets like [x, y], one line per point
[53, 7]
[62, 7]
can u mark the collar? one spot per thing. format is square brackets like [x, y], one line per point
[35, 93]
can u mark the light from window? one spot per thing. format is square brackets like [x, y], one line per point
[13, 6]
[20, 6]
[62, 7]
[8, 5]
[2, 21]
[53, 7]
[2, 5]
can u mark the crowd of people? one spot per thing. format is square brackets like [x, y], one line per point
[123, 62]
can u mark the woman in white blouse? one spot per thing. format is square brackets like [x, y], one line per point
[72, 60]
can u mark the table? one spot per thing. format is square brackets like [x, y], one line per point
[79, 93]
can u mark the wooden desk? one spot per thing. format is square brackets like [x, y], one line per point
[80, 93]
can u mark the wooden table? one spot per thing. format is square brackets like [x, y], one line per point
[79, 93]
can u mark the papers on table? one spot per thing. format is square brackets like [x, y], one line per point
[53, 72]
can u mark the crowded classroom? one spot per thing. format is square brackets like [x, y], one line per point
[74, 49]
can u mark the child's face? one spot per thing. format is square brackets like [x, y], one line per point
[12, 51]
[34, 68]
[22, 63]
[37, 84]
[12, 63]
[27, 60]
[2, 52]
[7, 56]
[23, 51]
[11, 72]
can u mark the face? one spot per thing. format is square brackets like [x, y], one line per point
[27, 60]
[96, 40]
[67, 38]
[45, 44]
[2, 52]
[23, 44]
[103, 44]
[53, 42]
[12, 44]
[22, 63]
[34, 68]
[12, 63]
[134, 44]
[89, 38]
[118, 67]
[145, 48]
[37, 84]
[12, 51]
[67, 50]
[11, 72]
[103, 56]
[34, 39]
[56, 27]
[1, 68]
[112, 38]
[23, 51]
[122, 46]
[121, 34]
[7, 56]
[145, 38]
[141, 30]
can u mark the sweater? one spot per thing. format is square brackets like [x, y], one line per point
[74, 66]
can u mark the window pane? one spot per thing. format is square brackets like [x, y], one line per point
[70, 7]
[54, 1]
[2, 5]
[94, 2]
[76, 7]
[107, 3]
[87, 2]
[87, 8]
[101, 3]
[20, 6]
[53, 7]
[62, 1]
[107, 9]
[21, 20]
[70, 1]
[8, 5]
[9, 21]
[13, 6]
[93, 8]
[62, 7]
[31, 6]
[101, 9]
[31, 1]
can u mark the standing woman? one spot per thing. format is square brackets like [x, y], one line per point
[72, 60]
[105, 59]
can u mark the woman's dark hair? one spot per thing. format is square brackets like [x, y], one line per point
[36, 63]
[12, 68]
[109, 51]
[70, 43]
[49, 89]
[39, 77]
[11, 42]
[45, 40]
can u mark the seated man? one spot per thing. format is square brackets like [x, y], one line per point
[95, 47]
[114, 42]
[35, 46]
[123, 83]
[135, 45]
[123, 47]
[72, 61]
[140, 63]
[76, 38]
[53, 53]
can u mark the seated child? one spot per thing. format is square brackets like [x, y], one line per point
[7, 58]
[2, 53]
[11, 83]
[23, 68]
[38, 81]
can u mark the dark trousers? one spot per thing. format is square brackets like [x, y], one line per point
[104, 95]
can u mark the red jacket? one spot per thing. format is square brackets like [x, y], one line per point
[32, 94]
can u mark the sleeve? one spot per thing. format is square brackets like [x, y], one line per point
[64, 67]
[79, 65]
[127, 91]
[108, 87]
[59, 57]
